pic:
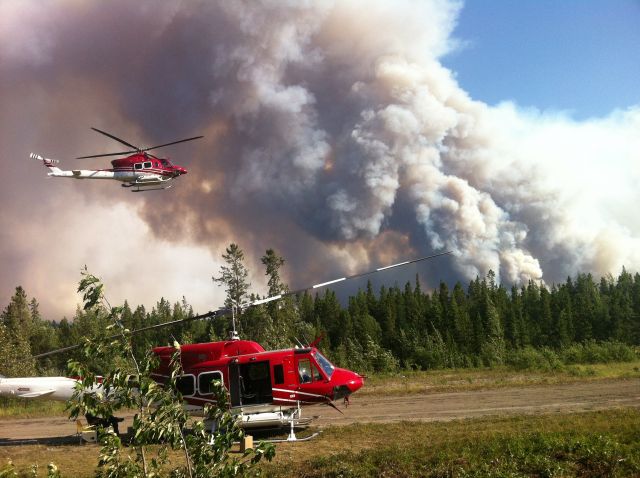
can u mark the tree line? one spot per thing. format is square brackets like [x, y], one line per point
[481, 324]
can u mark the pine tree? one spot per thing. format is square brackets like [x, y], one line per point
[585, 305]
[462, 323]
[15, 348]
[282, 310]
[234, 276]
[15, 355]
[329, 314]
[17, 316]
[273, 262]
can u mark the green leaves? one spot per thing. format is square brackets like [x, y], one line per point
[161, 422]
[91, 289]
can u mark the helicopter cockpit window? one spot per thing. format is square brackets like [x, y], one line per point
[205, 381]
[147, 164]
[186, 385]
[165, 163]
[317, 376]
[304, 370]
[326, 366]
[137, 166]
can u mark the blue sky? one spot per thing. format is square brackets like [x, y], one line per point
[578, 56]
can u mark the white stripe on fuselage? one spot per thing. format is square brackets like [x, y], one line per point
[125, 175]
[298, 392]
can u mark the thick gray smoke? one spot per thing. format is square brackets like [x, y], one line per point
[333, 133]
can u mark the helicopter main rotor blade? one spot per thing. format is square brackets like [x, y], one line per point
[208, 315]
[225, 311]
[107, 154]
[173, 142]
[116, 138]
[136, 149]
[354, 276]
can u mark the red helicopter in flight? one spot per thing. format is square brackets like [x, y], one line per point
[140, 171]
[266, 388]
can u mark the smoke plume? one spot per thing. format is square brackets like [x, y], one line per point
[333, 133]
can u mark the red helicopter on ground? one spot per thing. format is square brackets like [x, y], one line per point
[140, 171]
[266, 388]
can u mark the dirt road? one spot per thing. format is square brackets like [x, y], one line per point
[572, 397]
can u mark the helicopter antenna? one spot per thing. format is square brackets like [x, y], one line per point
[306, 340]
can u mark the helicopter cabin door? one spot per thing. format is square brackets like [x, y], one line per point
[234, 384]
[250, 383]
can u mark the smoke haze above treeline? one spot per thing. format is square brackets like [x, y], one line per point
[333, 133]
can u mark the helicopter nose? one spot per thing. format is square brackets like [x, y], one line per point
[347, 382]
[180, 170]
[356, 382]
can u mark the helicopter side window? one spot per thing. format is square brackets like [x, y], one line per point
[205, 382]
[137, 166]
[186, 385]
[278, 374]
[304, 370]
[147, 165]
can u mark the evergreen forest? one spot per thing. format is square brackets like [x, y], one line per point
[479, 324]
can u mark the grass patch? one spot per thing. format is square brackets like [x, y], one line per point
[498, 377]
[603, 443]
[591, 444]
[24, 408]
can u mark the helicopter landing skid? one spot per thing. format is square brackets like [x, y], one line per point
[289, 440]
[141, 187]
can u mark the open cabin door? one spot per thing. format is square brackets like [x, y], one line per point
[250, 383]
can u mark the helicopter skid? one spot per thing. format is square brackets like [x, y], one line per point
[141, 187]
[269, 417]
[272, 420]
[261, 417]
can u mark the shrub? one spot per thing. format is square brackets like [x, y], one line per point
[591, 352]
[530, 358]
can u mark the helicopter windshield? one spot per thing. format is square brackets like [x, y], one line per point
[166, 163]
[326, 366]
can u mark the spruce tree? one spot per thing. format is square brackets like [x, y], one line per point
[15, 348]
[273, 262]
[234, 276]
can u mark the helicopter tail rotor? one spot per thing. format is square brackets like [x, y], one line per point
[49, 164]
[46, 161]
